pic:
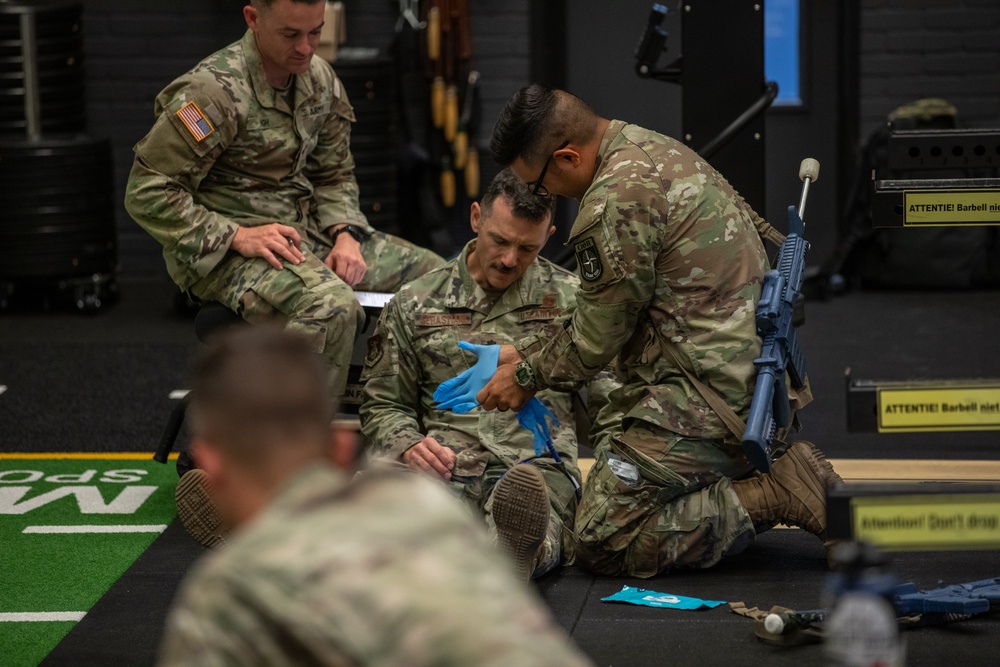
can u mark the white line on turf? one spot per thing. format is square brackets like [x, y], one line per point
[178, 394]
[27, 616]
[63, 530]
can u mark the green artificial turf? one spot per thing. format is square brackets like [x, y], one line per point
[69, 572]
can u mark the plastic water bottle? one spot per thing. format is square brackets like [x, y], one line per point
[862, 630]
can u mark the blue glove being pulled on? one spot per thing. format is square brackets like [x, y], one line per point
[535, 417]
[459, 393]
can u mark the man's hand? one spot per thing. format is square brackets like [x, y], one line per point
[503, 392]
[270, 242]
[430, 457]
[345, 259]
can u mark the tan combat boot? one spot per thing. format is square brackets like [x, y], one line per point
[197, 510]
[793, 493]
[521, 515]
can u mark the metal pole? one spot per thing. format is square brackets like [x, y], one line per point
[802, 200]
[29, 58]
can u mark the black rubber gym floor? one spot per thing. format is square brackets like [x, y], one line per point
[101, 383]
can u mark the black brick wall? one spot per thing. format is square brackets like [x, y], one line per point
[930, 48]
[910, 49]
[133, 49]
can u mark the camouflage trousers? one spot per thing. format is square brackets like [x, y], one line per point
[309, 298]
[681, 512]
[557, 547]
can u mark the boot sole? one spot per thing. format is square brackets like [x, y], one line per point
[521, 515]
[197, 511]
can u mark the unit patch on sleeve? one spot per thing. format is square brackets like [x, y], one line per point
[194, 120]
[589, 261]
[374, 350]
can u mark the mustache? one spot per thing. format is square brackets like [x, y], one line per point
[503, 269]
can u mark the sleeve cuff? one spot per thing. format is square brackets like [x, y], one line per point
[403, 442]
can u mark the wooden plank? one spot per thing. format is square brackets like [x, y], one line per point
[899, 470]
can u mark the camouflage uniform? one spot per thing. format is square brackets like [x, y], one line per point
[669, 254]
[339, 573]
[255, 159]
[415, 347]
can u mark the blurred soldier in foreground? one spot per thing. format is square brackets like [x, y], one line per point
[497, 291]
[247, 181]
[672, 262]
[387, 569]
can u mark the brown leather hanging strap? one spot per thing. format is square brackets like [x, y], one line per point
[716, 402]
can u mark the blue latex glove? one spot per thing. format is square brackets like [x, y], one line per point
[459, 393]
[535, 417]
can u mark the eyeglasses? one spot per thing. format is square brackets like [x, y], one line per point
[537, 188]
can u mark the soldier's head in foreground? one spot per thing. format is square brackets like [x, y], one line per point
[287, 33]
[550, 139]
[511, 226]
[260, 412]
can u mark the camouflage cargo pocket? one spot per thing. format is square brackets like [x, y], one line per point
[611, 512]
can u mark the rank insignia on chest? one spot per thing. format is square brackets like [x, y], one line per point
[588, 260]
[194, 120]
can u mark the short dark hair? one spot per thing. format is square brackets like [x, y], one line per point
[267, 4]
[535, 120]
[523, 204]
[257, 388]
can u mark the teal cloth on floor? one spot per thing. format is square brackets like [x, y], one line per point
[647, 598]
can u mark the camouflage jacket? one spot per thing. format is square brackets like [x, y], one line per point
[227, 150]
[386, 570]
[669, 254]
[415, 348]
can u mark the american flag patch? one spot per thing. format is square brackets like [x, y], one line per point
[194, 120]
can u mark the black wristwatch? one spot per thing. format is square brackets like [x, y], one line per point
[355, 231]
[524, 375]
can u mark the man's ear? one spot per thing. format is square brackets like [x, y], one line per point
[343, 447]
[250, 15]
[475, 215]
[552, 230]
[568, 156]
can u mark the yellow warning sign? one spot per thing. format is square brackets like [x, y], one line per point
[951, 207]
[925, 522]
[972, 407]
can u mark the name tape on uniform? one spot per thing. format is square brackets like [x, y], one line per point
[926, 522]
[974, 407]
[951, 207]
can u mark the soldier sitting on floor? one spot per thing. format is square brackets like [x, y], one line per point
[497, 291]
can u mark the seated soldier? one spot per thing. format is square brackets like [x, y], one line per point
[247, 180]
[321, 570]
[497, 291]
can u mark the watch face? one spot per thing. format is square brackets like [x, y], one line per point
[523, 375]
